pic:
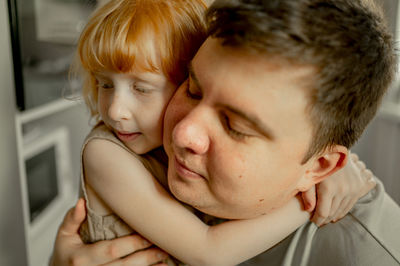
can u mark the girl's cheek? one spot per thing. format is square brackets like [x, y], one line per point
[103, 106]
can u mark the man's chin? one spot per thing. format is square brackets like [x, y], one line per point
[181, 193]
[190, 196]
[198, 201]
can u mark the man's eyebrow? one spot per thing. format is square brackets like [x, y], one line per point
[193, 76]
[252, 119]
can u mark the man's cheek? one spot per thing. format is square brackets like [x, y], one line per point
[175, 113]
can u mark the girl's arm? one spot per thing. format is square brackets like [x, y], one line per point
[126, 186]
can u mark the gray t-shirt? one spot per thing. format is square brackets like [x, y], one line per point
[368, 236]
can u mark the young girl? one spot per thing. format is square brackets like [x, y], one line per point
[134, 54]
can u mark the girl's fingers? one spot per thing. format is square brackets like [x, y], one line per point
[340, 211]
[323, 207]
[349, 205]
[309, 199]
[335, 208]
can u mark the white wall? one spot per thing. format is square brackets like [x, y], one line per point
[12, 235]
[379, 148]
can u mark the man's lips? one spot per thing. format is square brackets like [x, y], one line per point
[127, 136]
[184, 171]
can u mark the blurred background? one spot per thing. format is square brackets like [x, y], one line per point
[43, 123]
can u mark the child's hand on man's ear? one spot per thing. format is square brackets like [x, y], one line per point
[334, 197]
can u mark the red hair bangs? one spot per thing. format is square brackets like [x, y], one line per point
[140, 35]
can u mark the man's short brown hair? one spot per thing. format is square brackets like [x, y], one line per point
[345, 40]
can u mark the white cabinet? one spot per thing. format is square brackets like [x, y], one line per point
[62, 124]
[12, 236]
[48, 140]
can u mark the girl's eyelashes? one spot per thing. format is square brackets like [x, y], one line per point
[140, 89]
[106, 85]
[110, 85]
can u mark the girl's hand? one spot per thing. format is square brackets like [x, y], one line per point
[70, 250]
[335, 196]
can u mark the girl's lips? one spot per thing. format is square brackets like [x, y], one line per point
[128, 136]
[185, 172]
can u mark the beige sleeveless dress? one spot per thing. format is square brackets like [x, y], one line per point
[105, 227]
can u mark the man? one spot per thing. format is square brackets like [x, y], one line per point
[276, 96]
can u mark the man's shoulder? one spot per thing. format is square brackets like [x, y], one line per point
[368, 235]
[351, 242]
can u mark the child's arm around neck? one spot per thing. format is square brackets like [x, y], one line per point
[126, 186]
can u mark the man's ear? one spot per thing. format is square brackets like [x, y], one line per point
[323, 166]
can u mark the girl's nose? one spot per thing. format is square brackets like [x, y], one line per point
[118, 109]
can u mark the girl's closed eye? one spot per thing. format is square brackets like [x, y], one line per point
[106, 85]
[141, 89]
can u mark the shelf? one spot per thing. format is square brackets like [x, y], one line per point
[45, 110]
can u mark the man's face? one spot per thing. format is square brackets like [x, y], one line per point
[236, 133]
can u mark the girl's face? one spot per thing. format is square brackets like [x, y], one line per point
[132, 105]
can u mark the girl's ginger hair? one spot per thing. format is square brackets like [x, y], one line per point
[159, 36]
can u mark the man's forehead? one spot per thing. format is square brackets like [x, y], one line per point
[214, 51]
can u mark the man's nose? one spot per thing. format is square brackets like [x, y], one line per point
[118, 109]
[191, 134]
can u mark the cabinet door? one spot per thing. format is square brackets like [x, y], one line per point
[44, 34]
